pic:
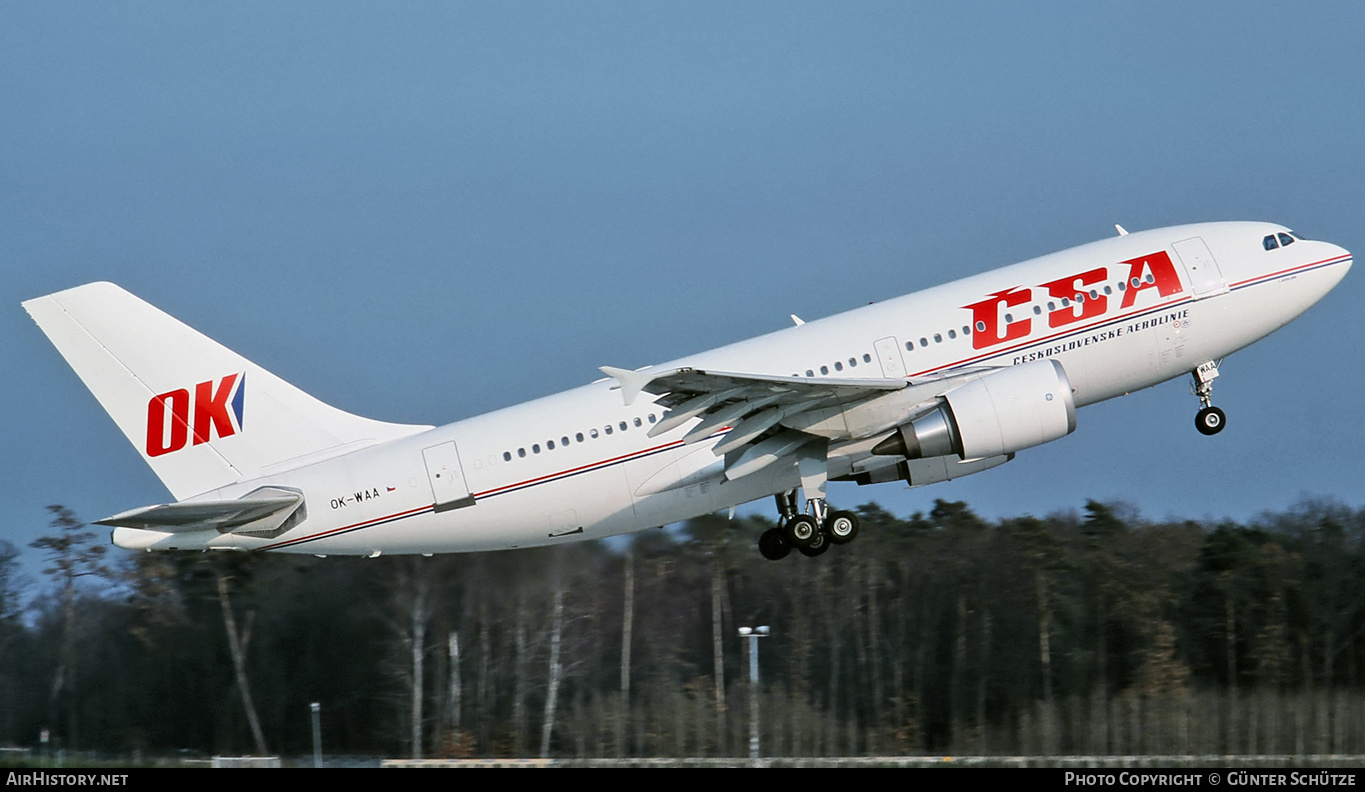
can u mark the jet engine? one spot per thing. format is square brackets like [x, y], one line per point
[1003, 412]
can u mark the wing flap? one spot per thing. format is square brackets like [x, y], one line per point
[755, 407]
[697, 381]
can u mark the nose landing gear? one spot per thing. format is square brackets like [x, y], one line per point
[1209, 420]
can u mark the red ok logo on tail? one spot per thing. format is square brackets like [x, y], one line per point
[171, 421]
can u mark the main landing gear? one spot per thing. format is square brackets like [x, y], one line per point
[1209, 420]
[811, 533]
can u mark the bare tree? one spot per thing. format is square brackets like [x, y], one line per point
[237, 644]
[628, 624]
[12, 583]
[408, 612]
[72, 554]
[556, 666]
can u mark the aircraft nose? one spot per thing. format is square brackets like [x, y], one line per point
[1340, 263]
[1340, 255]
[1341, 251]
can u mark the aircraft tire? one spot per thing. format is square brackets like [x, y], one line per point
[1210, 421]
[773, 545]
[802, 531]
[817, 547]
[842, 527]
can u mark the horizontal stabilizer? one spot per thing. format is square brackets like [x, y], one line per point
[263, 512]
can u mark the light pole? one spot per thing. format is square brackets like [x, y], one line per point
[753, 634]
[316, 709]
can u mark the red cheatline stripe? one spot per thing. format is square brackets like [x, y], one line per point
[351, 527]
[1259, 278]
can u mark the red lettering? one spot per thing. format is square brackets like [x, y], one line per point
[168, 416]
[986, 318]
[179, 402]
[1068, 289]
[211, 409]
[1162, 276]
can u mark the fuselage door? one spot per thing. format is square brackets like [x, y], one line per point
[1205, 278]
[889, 353]
[446, 475]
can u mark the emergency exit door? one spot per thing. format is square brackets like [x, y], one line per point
[448, 486]
[1205, 277]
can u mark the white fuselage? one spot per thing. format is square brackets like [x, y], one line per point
[579, 465]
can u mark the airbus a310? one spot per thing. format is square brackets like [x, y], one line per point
[924, 388]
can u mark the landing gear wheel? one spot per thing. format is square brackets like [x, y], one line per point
[773, 544]
[1210, 421]
[842, 527]
[802, 531]
[816, 547]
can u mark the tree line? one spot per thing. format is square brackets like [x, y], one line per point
[1091, 632]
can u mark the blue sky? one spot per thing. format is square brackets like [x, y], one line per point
[423, 211]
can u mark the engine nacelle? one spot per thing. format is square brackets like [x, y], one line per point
[922, 472]
[1003, 412]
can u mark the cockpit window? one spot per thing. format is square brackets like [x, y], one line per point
[1269, 242]
[1286, 240]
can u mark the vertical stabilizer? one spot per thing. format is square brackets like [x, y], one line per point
[201, 415]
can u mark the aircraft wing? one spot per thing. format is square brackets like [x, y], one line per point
[762, 411]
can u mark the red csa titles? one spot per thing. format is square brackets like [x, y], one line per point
[170, 419]
[992, 326]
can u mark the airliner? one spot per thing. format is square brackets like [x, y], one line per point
[932, 386]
